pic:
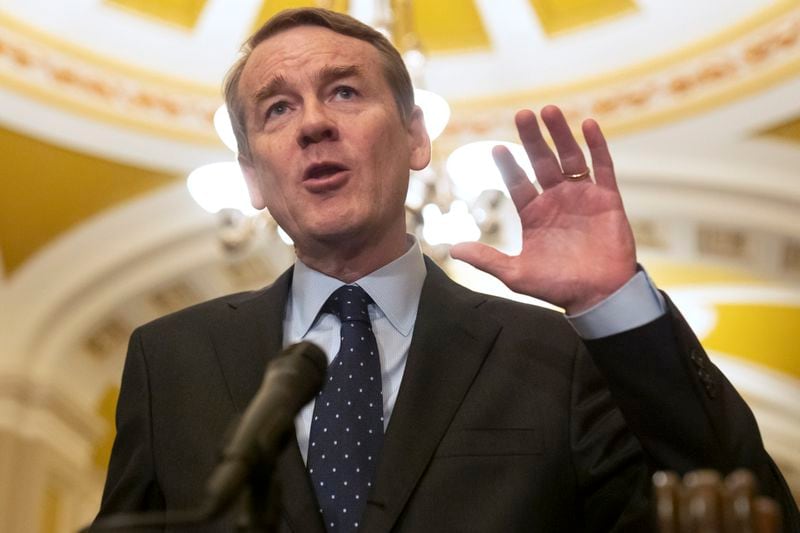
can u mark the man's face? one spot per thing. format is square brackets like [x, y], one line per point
[329, 152]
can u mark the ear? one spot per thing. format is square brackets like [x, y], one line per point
[419, 142]
[252, 181]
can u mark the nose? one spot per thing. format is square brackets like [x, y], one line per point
[317, 126]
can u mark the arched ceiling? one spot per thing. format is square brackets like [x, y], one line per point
[135, 82]
[36, 206]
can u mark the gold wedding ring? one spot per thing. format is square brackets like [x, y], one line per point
[577, 177]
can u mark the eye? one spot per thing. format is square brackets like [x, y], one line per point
[344, 92]
[277, 109]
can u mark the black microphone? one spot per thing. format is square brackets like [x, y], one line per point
[291, 380]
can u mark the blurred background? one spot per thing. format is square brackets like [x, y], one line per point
[119, 200]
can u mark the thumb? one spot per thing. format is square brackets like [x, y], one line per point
[483, 257]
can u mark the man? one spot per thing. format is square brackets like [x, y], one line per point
[495, 416]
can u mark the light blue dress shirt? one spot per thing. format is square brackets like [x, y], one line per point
[395, 289]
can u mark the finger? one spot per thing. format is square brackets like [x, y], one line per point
[602, 164]
[569, 152]
[483, 257]
[520, 188]
[545, 164]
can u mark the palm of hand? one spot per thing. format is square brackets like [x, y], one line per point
[577, 244]
[574, 236]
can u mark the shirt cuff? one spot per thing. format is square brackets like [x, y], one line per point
[634, 304]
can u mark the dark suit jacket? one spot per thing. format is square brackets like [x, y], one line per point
[502, 422]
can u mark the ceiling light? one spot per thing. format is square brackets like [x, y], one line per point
[455, 226]
[472, 168]
[435, 109]
[217, 186]
[222, 123]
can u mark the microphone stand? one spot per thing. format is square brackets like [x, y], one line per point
[260, 502]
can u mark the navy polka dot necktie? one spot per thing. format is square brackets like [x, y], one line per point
[347, 426]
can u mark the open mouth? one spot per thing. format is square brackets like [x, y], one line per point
[322, 170]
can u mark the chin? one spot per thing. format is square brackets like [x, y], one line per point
[333, 224]
[336, 236]
[341, 234]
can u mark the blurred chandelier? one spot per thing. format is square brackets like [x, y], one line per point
[460, 198]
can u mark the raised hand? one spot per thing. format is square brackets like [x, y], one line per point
[577, 244]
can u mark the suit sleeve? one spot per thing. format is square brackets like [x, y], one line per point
[131, 483]
[610, 468]
[682, 409]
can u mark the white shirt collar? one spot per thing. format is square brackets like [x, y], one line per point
[395, 289]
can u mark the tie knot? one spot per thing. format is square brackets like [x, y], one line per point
[349, 303]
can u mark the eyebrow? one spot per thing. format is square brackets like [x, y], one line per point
[326, 75]
[276, 85]
[329, 74]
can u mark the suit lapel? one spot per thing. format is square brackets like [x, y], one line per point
[244, 347]
[451, 339]
[251, 338]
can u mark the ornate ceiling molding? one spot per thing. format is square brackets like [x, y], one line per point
[755, 55]
[81, 82]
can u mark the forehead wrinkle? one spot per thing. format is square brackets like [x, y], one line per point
[330, 73]
[323, 76]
